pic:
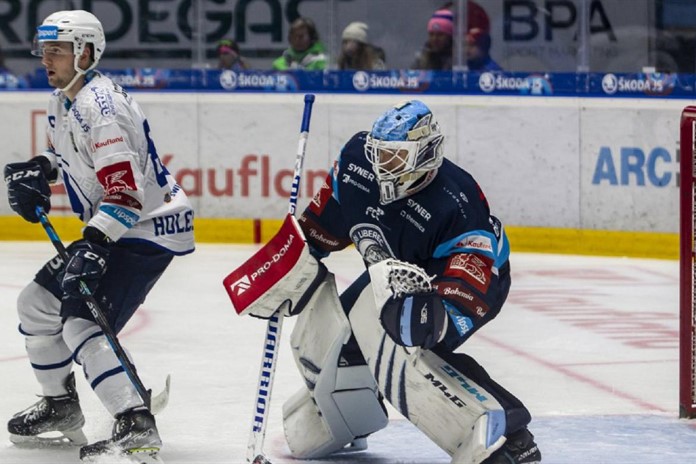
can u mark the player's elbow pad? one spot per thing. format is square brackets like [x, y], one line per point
[415, 320]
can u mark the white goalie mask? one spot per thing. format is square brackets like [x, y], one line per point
[405, 149]
[77, 27]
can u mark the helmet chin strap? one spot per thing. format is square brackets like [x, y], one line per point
[78, 71]
[72, 82]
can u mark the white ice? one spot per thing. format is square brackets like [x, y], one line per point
[589, 344]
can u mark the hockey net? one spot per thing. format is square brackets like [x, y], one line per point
[687, 268]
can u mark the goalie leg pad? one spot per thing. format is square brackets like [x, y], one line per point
[455, 412]
[339, 404]
[517, 416]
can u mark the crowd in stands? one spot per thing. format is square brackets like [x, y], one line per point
[307, 52]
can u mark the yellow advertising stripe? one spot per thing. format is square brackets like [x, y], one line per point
[594, 242]
[523, 239]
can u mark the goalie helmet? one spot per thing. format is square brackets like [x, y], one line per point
[405, 149]
[78, 27]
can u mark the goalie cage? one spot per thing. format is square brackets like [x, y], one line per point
[687, 279]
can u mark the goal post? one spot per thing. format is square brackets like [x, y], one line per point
[687, 280]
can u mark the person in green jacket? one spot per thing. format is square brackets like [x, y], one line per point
[305, 51]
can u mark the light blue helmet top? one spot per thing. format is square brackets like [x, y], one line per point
[405, 149]
[394, 124]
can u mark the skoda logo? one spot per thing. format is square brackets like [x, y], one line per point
[487, 82]
[361, 81]
[228, 79]
[610, 83]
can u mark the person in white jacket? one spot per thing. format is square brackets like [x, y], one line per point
[136, 220]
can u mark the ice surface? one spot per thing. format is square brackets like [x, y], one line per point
[590, 344]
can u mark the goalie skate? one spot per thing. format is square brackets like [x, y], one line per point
[518, 449]
[134, 439]
[52, 421]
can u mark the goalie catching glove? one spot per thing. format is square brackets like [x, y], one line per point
[281, 276]
[411, 313]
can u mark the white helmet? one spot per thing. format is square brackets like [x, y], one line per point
[78, 27]
[405, 149]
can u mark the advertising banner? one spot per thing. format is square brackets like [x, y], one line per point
[605, 164]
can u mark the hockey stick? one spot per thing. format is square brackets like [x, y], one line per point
[275, 323]
[154, 404]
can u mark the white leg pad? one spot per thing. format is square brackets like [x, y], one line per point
[453, 411]
[470, 450]
[39, 316]
[100, 365]
[38, 310]
[339, 404]
[50, 350]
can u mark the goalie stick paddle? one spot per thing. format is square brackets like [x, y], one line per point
[154, 404]
[269, 359]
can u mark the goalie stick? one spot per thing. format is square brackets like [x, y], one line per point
[153, 404]
[269, 357]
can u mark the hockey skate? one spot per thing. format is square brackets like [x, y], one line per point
[518, 449]
[52, 421]
[134, 436]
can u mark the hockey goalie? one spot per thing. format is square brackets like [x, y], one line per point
[437, 270]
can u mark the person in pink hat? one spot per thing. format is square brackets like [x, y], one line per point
[437, 51]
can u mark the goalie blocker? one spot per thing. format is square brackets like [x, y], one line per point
[277, 277]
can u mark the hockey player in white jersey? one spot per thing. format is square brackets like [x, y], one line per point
[136, 220]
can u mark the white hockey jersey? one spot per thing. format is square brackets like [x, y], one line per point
[115, 181]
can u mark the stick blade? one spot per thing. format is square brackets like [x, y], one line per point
[161, 400]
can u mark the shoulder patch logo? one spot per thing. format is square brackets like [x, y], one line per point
[117, 178]
[371, 243]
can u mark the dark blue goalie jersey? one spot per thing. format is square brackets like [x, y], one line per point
[446, 228]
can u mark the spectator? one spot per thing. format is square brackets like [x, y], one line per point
[356, 51]
[229, 56]
[437, 51]
[477, 42]
[305, 51]
[478, 46]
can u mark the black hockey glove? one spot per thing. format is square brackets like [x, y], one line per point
[86, 263]
[415, 320]
[27, 187]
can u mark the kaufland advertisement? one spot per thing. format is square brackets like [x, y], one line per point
[560, 162]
